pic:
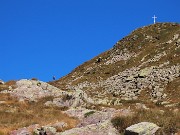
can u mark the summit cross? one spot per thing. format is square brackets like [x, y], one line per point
[154, 17]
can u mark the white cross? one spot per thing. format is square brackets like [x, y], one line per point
[154, 17]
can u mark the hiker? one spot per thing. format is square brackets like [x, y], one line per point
[54, 78]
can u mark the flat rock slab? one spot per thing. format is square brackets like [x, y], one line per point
[104, 128]
[143, 128]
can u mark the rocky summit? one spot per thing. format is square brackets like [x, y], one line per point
[133, 89]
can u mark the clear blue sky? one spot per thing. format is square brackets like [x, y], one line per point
[42, 38]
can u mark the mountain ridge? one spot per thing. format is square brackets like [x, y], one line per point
[155, 47]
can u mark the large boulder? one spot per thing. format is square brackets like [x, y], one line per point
[46, 130]
[33, 90]
[71, 99]
[145, 72]
[143, 128]
[104, 128]
[22, 131]
[25, 130]
[79, 97]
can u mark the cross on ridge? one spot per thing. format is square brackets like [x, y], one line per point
[154, 17]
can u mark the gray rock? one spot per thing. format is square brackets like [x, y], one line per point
[71, 99]
[32, 90]
[2, 102]
[60, 125]
[50, 130]
[145, 72]
[39, 131]
[118, 102]
[141, 106]
[143, 128]
[46, 130]
[130, 78]
[22, 131]
[172, 105]
[104, 128]
[159, 94]
[25, 130]
[165, 102]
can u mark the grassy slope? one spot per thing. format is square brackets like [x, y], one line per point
[145, 48]
[15, 114]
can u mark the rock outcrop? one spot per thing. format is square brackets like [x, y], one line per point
[96, 122]
[143, 64]
[71, 99]
[104, 128]
[129, 83]
[32, 90]
[143, 128]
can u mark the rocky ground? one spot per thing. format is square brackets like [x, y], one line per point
[92, 119]
[145, 64]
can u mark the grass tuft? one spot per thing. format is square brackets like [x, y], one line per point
[168, 121]
[88, 114]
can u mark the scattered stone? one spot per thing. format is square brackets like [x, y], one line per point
[104, 128]
[45, 130]
[2, 102]
[25, 131]
[141, 106]
[129, 83]
[98, 60]
[143, 128]
[22, 131]
[40, 131]
[75, 99]
[60, 125]
[176, 111]
[50, 130]
[145, 72]
[123, 55]
[165, 102]
[130, 78]
[169, 42]
[172, 105]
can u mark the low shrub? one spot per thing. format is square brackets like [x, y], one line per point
[168, 121]
[88, 114]
[67, 97]
[34, 79]
[122, 122]
[159, 103]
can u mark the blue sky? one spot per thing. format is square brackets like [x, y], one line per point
[45, 38]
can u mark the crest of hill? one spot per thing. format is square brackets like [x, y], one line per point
[135, 62]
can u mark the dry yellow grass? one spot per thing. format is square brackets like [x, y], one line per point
[168, 121]
[14, 114]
